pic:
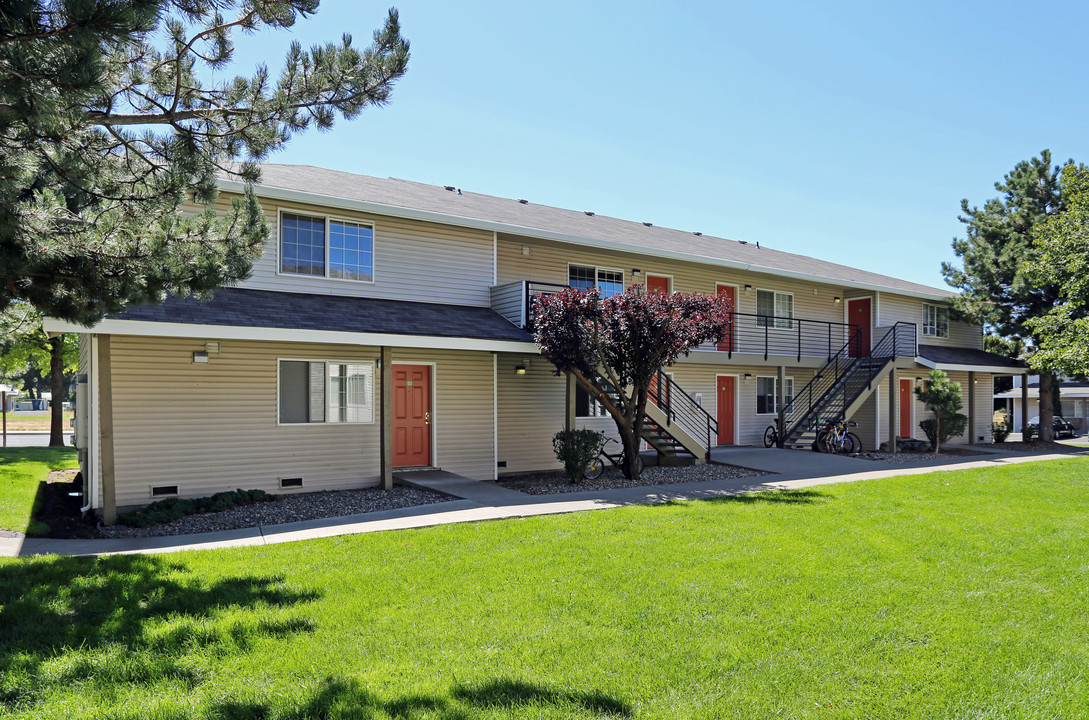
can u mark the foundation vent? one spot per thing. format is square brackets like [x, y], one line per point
[164, 490]
[291, 482]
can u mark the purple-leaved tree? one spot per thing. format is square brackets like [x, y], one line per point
[623, 341]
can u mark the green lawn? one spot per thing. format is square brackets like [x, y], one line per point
[950, 595]
[22, 470]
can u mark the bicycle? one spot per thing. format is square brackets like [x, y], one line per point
[771, 435]
[837, 439]
[596, 467]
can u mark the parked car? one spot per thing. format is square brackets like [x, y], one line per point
[1061, 425]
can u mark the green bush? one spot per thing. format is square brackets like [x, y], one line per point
[164, 511]
[576, 449]
[952, 425]
[1001, 427]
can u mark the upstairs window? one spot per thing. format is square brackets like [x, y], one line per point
[778, 304]
[587, 277]
[935, 320]
[326, 247]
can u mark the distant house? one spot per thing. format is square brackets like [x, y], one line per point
[387, 326]
[1073, 395]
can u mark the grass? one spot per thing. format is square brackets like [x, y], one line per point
[36, 421]
[948, 595]
[22, 471]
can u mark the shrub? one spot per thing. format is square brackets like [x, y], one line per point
[1001, 427]
[952, 425]
[164, 511]
[576, 449]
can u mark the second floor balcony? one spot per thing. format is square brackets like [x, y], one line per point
[754, 337]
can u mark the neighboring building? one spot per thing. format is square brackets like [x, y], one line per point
[385, 327]
[1073, 394]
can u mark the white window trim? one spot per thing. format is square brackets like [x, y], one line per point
[325, 423]
[593, 401]
[947, 321]
[597, 274]
[775, 385]
[327, 217]
[773, 321]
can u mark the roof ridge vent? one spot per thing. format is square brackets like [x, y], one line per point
[523, 201]
[649, 224]
[698, 233]
[450, 188]
[589, 212]
[743, 242]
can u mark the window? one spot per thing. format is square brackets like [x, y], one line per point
[935, 320]
[586, 406]
[586, 277]
[326, 247]
[325, 392]
[765, 395]
[778, 304]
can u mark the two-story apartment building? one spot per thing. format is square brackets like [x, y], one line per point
[385, 327]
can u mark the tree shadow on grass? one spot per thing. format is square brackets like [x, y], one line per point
[804, 496]
[127, 619]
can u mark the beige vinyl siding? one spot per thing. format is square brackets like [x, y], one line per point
[507, 301]
[462, 413]
[413, 260]
[530, 411]
[213, 427]
[897, 308]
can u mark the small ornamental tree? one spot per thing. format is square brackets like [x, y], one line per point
[941, 397]
[623, 341]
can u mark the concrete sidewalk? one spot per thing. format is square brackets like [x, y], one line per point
[485, 501]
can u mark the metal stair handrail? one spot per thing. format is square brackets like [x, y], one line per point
[682, 408]
[899, 341]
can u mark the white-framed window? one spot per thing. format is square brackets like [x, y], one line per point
[774, 303]
[935, 320]
[608, 281]
[587, 406]
[324, 391]
[766, 395]
[326, 246]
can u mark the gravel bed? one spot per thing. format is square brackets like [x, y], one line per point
[556, 482]
[286, 509]
[904, 458]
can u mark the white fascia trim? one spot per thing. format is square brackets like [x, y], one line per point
[230, 332]
[995, 369]
[447, 219]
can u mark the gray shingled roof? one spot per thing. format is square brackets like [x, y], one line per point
[238, 307]
[532, 219]
[966, 356]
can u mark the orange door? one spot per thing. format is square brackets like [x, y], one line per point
[726, 417]
[858, 315]
[729, 341]
[411, 415]
[658, 284]
[905, 407]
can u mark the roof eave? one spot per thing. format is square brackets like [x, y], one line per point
[278, 193]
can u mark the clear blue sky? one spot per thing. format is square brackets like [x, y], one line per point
[846, 131]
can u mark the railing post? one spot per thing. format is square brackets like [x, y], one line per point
[829, 341]
[765, 342]
[780, 392]
[799, 323]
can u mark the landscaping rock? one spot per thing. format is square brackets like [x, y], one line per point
[557, 482]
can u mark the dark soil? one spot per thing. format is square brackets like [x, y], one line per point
[60, 510]
[1040, 446]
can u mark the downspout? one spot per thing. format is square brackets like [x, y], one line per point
[89, 487]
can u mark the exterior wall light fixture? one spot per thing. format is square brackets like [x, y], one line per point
[519, 369]
[200, 357]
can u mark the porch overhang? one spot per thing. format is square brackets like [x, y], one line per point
[938, 357]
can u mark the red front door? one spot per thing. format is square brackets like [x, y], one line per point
[726, 417]
[658, 284]
[729, 340]
[411, 415]
[858, 315]
[905, 407]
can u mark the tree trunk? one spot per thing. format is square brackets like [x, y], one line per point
[1046, 428]
[56, 378]
[631, 453]
[937, 433]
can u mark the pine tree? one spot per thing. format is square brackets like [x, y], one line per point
[995, 286]
[104, 135]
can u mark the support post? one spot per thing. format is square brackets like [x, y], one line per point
[105, 431]
[569, 407]
[4, 411]
[1024, 405]
[780, 393]
[971, 408]
[386, 378]
[893, 395]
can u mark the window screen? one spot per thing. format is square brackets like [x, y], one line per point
[302, 244]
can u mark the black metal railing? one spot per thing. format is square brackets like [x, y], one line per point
[754, 334]
[828, 395]
[681, 409]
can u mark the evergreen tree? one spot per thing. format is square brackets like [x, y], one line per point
[942, 397]
[111, 118]
[994, 283]
[1062, 260]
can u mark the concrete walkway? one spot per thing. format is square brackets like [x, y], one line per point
[485, 501]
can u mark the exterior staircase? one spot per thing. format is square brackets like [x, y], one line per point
[841, 387]
[674, 423]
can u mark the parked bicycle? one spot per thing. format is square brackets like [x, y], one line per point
[597, 465]
[771, 435]
[837, 439]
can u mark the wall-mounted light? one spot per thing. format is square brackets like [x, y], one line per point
[748, 288]
[837, 300]
[200, 357]
[636, 272]
[519, 369]
[748, 377]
